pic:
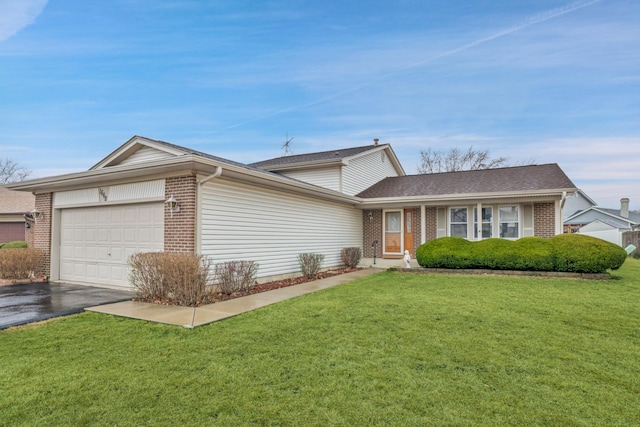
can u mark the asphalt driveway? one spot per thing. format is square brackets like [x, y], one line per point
[22, 304]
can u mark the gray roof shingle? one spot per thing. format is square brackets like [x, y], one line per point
[512, 179]
[16, 202]
[313, 157]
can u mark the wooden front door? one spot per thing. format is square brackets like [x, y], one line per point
[409, 225]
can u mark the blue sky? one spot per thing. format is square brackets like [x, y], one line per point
[542, 80]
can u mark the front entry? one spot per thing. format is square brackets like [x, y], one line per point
[392, 232]
[409, 224]
[399, 228]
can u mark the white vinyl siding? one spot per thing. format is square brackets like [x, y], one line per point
[322, 177]
[241, 222]
[145, 154]
[527, 221]
[362, 172]
[136, 191]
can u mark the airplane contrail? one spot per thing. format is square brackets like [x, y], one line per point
[527, 22]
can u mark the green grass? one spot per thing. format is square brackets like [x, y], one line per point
[390, 349]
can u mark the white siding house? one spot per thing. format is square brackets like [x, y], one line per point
[150, 195]
[271, 227]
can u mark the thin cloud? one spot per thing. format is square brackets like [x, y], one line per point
[527, 22]
[18, 14]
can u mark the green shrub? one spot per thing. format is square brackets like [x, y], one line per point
[310, 264]
[586, 254]
[19, 263]
[171, 278]
[446, 252]
[351, 256]
[568, 253]
[15, 244]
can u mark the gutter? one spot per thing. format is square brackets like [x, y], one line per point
[448, 198]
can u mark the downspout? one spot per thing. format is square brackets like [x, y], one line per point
[199, 185]
[560, 217]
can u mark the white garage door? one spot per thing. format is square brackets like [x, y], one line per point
[96, 242]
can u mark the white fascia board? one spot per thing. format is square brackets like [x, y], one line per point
[316, 164]
[536, 195]
[110, 175]
[169, 167]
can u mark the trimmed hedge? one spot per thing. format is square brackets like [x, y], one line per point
[566, 253]
[13, 245]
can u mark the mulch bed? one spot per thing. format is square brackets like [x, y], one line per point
[270, 286]
[258, 288]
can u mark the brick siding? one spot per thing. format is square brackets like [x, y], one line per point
[41, 232]
[180, 228]
[372, 230]
[544, 219]
[432, 223]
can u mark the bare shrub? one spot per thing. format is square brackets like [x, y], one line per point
[19, 263]
[174, 278]
[310, 264]
[235, 276]
[351, 256]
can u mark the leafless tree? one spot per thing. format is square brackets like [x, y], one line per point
[456, 159]
[11, 171]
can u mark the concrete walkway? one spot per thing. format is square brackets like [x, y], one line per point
[190, 317]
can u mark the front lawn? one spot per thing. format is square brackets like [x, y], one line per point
[390, 349]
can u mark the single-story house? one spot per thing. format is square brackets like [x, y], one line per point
[150, 195]
[604, 223]
[14, 205]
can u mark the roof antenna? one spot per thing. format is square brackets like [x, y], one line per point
[287, 145]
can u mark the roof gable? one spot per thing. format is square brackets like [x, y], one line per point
[326, 158]
[502, 180]
[138, 150]
[611, 216]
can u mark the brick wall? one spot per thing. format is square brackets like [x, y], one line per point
[544, 219]
[179, 229]
[41, 232]
[372, 230]
[432, 223]
[416, 231]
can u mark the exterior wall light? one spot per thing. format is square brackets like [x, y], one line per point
[37, 215]
[172, 204]
[370, 216]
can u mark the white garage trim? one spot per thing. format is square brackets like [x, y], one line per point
[96, 242]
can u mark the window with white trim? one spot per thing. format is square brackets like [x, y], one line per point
[458, 222]
[508, 222]
[485, 223]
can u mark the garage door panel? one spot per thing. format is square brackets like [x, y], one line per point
[96, 242]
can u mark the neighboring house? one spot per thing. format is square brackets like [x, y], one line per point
[577, 202]
[607, 224]
[150, 195]
[13, 207]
